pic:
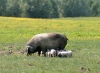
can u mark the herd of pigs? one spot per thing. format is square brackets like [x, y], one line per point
[50, 44]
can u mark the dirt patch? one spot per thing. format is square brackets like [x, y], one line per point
[9, 52]
[84, 70]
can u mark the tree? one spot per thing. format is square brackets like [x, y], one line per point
[73, 8]
[95, 7]
[2, 7]
[34, 8]
[55, 12]
[12, 8]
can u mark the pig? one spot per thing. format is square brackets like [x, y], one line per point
[67, 53]
[44, 41]
[51, 53]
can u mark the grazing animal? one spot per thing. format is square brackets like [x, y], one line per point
[51, 53]
[44, 41]
[48, 53]
[65, 53]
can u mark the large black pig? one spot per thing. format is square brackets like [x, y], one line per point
[44, 41]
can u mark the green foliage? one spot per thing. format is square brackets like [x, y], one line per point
[95, 9]
[2, 7]
[12, 8]
[49, 8]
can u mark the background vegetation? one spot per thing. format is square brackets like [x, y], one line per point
[49, 8]
[84, 41]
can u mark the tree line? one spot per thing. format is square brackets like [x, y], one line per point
[49, 8]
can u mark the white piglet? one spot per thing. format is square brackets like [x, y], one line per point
[65, 53]
[51, 53]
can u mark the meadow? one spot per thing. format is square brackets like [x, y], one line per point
[84, 40]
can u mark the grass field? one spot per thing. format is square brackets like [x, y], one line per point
[84, 40]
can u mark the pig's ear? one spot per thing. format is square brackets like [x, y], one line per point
[28, 47]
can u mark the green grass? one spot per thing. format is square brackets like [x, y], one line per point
[84, 40]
